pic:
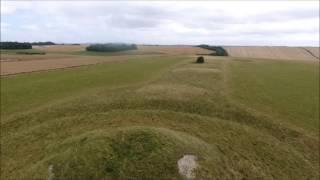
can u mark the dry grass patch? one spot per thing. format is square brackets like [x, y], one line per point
[19, 57]
[174, 50]
[61, 48]
[172, 91]
[197, 70]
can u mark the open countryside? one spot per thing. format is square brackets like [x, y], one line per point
[161, 106]
[90, 110]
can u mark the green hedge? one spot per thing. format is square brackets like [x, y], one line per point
[111, 47]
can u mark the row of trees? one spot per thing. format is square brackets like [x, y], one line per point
[23, 45]
[43, 43]
[111, 47]
[15, 45]
[219, 51]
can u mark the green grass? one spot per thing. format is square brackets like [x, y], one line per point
[22, 92]
[138, 118]
[286, 90]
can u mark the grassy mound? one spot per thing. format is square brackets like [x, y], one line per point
[136, 152]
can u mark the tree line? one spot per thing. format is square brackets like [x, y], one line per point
[219, 50]
[15, 45]
[111, 47]
[23, 45]
[46, 43]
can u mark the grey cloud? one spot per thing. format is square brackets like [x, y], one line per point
[166, 22]
[284, 15]
[126, 21]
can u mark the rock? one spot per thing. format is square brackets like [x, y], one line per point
[186, 165]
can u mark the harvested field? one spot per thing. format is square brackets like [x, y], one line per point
[15, 67]
[173, 50]
[288, 53]
[142, 49]
[61, 48]
[20, 57]
[314, 50]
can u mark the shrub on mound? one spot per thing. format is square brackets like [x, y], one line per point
[200, 59]
[15, 45]
[111, 47]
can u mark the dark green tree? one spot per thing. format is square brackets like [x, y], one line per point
[15, 45]
[111, 47]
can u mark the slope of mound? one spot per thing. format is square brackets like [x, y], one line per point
[272, 52]
[141, 152]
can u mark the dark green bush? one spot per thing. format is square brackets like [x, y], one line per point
[200, 59]
[15, 45]
[111, 47]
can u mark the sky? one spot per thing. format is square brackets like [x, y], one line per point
[272, 23]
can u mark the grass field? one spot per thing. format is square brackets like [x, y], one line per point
[288, 90]
[56, 85]
[243, 119]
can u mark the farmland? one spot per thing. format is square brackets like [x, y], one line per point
[277, 53]
[65, 56]
[73, 114]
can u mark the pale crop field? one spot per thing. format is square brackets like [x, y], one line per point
[135, 118]
[276, 53]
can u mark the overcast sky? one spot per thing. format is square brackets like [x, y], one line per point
[291, 23]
